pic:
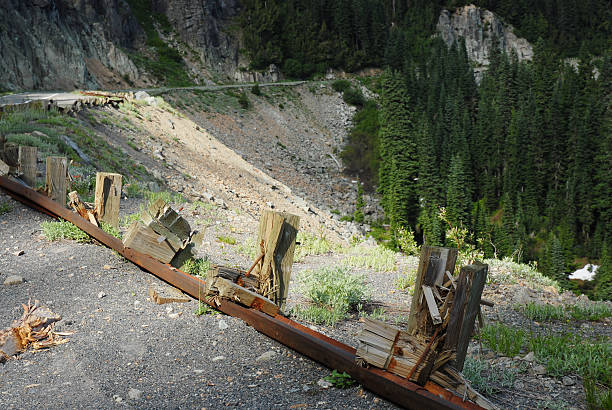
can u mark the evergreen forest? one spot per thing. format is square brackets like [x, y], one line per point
[521, 161]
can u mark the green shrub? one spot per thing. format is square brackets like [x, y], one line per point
[340, 380]
[405, 240]
[332, 292]
[243, 100]
[256, 90]
[341, 85]
[353, 96]
[487, 379]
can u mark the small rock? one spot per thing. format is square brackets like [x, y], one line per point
[134, 394]
[107, 267]
[519, 385]
[223, 325]
[539, 370]
[13, 280]
[324, 384]
[266, 356]
[118, 399]
[218, 358]
[568, 381]
[18, 253]
[174, 315]
[305, 388]
[529, 357]
[101, 295]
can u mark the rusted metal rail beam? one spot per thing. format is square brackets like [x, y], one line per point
[323, 349]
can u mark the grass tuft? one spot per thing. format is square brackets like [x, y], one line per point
[376, 257]
[310, 244]
[503, 339]
[56, 230]
[5, 208]
[487, 379]
[197, 267]
[332, 293]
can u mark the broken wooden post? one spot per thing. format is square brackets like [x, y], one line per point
[4, 168]
[277, 232]
[465, 308]
[57, 168]
[27, 164]
[108, 197]
[11, 157]
[434, 262]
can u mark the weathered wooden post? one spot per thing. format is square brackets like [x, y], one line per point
[108, 197]
[276, 235]
[434, 263]
[57, 168]
[11, 156]
[466, 305]
[27, 164]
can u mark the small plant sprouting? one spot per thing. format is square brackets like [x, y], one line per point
[5, 208]
[204, 309]
[340, 380]
[226, 239]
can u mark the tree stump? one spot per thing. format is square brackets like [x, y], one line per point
[27, 164]
[57, 168]
[108, 197]
[277, 231]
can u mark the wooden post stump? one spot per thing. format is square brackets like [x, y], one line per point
[466, 306]
[27, 164]
[4, 168]
[108, 197]
[57, 169]
[277, 232]
[434, 262]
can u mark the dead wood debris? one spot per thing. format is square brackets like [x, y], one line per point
[34, 330]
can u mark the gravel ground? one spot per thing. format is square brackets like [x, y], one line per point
[128, 351]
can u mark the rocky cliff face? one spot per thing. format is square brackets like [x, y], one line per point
[67, 44]
[63, 44]
[480, 28]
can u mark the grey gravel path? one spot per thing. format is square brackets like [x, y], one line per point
[128, 351]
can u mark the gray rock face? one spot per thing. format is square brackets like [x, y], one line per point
[202, 25]
[63, 44]
[479, 27]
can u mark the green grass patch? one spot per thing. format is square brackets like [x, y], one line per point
[543, 312]
[197, 267]
[226, 239]
[597, 396]
[589, 311]
[503, 339]
[5, 208]
[332, 293]
[310, 244]
[205, 309]
[56, 230]
[406, 280]
[561, 354]
[167, 197]
[376, 257]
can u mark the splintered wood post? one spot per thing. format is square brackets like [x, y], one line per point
[108, 197]
[4, 168]
[57, 168]
[27, 164]
[278, 231]
[434, 262]
[476, 276]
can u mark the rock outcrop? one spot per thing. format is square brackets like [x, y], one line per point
[203, 25]
[64, 44]
[479, 28]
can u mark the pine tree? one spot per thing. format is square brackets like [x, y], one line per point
[458, 201]
[360, 204]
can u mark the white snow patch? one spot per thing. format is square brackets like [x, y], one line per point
[586, 273]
